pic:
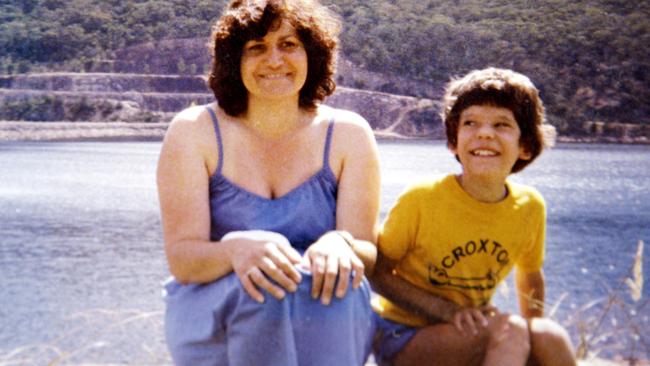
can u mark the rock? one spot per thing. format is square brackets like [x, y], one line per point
[155, 98]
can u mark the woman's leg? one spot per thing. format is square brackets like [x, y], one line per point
[219, 324]
[193, 336]
[336, 334]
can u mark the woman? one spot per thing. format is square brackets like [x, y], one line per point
[269, 201]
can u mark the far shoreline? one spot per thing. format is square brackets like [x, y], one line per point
[30, 131]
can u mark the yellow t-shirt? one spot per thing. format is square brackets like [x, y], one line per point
[456, 247]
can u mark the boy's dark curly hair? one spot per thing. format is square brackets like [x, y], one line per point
[500, 88]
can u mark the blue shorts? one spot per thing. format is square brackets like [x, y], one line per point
[390, 338]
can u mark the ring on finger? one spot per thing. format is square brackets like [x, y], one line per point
[251, 271]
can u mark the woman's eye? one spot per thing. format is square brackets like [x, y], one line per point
[289, 44]
[468, 123]
[255, 47]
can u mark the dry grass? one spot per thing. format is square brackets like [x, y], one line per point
[99, 336]
[612, 325]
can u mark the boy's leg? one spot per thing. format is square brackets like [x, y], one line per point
[440, 345]
[550, 344]
[503, 342]
[509, 342]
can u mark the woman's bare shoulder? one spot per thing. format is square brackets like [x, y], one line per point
[352, 133]
[347, 120]
[192, 121]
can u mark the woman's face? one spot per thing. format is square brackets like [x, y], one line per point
[274, 66]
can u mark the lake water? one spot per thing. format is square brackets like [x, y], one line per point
[81, 256]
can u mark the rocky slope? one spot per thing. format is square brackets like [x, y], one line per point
[108, 97]
[149, 98]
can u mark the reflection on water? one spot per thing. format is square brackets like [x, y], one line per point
[80, 232]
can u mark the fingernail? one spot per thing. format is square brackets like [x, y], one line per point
[292, 288]
[326, 301]
[339, 294]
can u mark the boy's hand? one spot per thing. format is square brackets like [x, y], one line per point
[467, 320]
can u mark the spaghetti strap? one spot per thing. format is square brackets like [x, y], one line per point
[215, 122]
[328, 140]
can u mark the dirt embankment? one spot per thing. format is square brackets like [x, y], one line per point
[136, 98]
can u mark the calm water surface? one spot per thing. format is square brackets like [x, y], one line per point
[81, 256]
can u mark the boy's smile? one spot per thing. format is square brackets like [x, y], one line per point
[488, 143]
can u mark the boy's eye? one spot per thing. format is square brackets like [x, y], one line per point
[502, 125]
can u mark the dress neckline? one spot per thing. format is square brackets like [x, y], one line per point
[324, 172]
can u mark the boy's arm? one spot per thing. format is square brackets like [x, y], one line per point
[530, 291]
[408, 296]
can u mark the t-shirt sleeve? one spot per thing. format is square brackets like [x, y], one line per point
[398, 232]
[533, 258]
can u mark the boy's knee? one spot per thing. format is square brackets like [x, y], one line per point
[511, 330]
[549, 334]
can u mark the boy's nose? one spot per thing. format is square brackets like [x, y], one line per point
[486, 132]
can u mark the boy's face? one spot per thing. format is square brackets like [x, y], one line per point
[488, 142]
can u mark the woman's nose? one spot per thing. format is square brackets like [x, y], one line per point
[274, 57]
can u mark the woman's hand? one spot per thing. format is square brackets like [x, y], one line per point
[468, 319]
[258, 257]
[331, 257]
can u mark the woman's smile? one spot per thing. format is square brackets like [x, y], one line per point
[275, 66]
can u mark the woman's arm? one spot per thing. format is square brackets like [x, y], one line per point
[352, 248]
[357, 206]
[183, 180]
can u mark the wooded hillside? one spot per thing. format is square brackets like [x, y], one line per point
[590, 58]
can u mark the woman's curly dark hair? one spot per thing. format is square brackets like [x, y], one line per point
[245, 20]
[501, 88]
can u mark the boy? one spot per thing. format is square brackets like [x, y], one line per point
[448, 243]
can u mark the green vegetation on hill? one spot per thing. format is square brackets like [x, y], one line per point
[590, 58]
